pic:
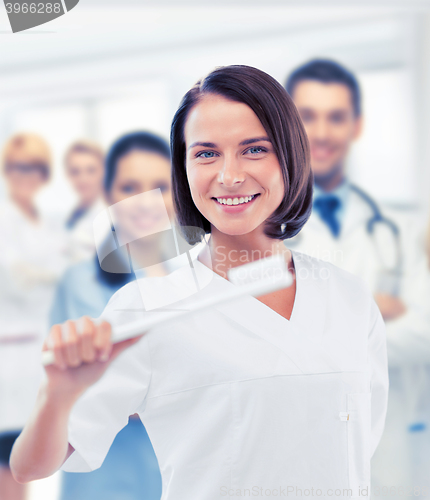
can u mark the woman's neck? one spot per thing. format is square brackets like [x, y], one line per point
[147, 255]
[225, 251]
[27, 207]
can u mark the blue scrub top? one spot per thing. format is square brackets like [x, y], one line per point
[130, 470]
[81, 293]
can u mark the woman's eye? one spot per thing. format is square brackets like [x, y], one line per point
[206, 154]
[256, 150]
[127, 189]
[337, 119]
[163, 187]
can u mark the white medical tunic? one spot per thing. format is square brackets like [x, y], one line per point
[239, 401]
[81, 244]
[32, 259]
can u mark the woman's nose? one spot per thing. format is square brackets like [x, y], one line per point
[231, 173]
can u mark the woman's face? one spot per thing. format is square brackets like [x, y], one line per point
[85, 171]
[24, 179]
[138, 172]
[233, 172]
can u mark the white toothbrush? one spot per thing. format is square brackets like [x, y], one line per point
[255, 278]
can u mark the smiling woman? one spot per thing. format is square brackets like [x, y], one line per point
[285, 392]
[232, 177]
[243, 120]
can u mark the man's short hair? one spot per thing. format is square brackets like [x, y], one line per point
[326, 71]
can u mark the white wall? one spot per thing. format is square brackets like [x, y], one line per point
[101, 79]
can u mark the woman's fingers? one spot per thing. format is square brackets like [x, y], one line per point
[71, 344]
[56, 344]
[102, 341]
[88, 333]
[82, 341]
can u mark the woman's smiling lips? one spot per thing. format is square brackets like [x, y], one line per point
[235, 203]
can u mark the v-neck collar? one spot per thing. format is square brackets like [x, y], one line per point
[296, 298]
[300, 337]
[203, 270]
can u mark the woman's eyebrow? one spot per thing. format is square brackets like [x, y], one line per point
[243, 143]
[255, 139]
[204, 144]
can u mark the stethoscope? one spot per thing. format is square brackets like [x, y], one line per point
[393, 265]
[390, 256]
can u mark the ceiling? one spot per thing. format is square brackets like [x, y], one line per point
[98, 28]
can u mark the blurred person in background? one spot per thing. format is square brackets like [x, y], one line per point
[136, 163]
[428, 244]
[84, 163]
[32, 258]
[348, 228]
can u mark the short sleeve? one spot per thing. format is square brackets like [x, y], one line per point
[377, 358]
[103, 410]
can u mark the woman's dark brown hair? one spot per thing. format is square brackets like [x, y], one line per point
[279, 117]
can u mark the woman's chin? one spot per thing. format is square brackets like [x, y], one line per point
[234, 230]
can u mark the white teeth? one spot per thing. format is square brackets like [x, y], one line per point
[235, 201]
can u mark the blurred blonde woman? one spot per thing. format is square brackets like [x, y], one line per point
[31, 261]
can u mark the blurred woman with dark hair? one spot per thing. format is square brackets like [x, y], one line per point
[254, 397]
[136, 163]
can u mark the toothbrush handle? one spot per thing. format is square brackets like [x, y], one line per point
[136, 328]
[48, 358]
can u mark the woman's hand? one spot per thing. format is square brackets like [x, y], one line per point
[83, 352]
[82, 355]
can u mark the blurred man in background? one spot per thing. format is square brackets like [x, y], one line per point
[84, 162]
[348, 228]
